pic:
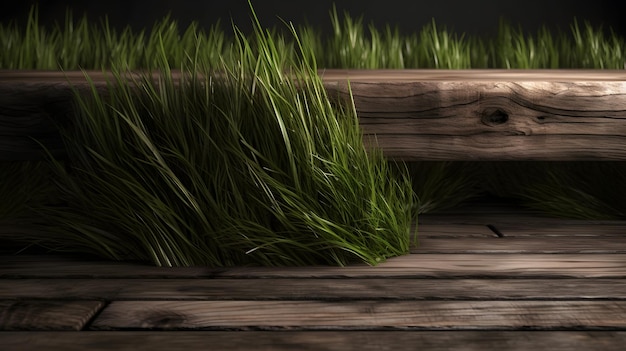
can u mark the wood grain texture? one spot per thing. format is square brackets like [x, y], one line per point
[443, 298]
[362, 315]
[313, 289]
[413, 114]
[563, 230]
[316, 340]
[415, 266]
[48, 266]
[465, 116]
[47, 315]
[458, 265]
[518, 245]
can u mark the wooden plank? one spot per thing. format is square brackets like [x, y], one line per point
[362, 315]
[47, 315]
[416, 266]
[316, 340]
[616, 229]
[312, 289]
[523, 244]
[415, 114]
[463, 116]
[59, 266]
[458, 265]
[510, 143]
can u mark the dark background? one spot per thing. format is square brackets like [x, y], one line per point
[472, 17]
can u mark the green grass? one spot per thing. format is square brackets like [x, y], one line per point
[236, 162]
[352, 43]
[79, 44]
[233, 163]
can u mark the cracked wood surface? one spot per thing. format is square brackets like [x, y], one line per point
[535, 287]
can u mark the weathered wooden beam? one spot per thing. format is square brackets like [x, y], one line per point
[412, 114]
[361, 315]
[415, 266]
[490, 114]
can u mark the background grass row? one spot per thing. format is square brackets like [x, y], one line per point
[352, 44]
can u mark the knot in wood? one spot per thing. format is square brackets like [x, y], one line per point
[494, 116]
[164, 319]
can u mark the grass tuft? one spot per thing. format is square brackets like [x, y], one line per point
[225, 164]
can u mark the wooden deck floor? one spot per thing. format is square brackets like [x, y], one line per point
[481, 279]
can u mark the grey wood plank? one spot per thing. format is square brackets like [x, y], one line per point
[47, 315]
[313, 289]
[316, 340]
[522, 244]
[459, 265]
[560, 228]
[414, 265]
[462, 120]
[362, 315]
[16, 266]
